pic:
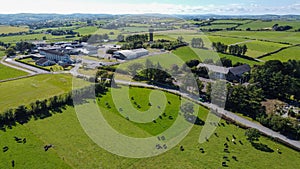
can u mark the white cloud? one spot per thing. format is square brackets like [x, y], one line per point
[71, 6]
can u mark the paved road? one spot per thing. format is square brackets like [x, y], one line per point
[17, 65]
[226, 113]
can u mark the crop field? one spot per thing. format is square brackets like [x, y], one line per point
[256, 25]
[12, 29]
[28, 90]
[7, 72]
[134, 29]
[285, 55]
[74, 149]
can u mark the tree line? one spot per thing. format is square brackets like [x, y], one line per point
[236, 50]
[41, 109]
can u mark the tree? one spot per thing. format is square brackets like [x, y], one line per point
[187, 108]
[134, 67]
[197, 43]
[180, 39]
[10, 51]
[252, 134]
[120, 38]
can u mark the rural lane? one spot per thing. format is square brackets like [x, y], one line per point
[227, 114]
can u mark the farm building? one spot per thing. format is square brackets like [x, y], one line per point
[130, 54]
[44, 62]
[55, 55]
[239, 73]
[234, 74]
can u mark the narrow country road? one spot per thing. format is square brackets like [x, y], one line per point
[16, 67]
[225, 113]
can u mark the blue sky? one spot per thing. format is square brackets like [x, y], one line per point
[229, 7]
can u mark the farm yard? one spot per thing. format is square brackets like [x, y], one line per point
[82, 152]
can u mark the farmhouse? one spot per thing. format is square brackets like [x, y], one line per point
[239, 73]
[44, 62]
[234, 74]
[55, 55]
[130, 54]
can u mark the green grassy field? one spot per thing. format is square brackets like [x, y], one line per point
[28, 90]
[7, 72]
[181, 55]
[285, 37]
[12, 29]
[232, 21]
[256, 25]
[94, 30]
[73, 148]
[285, 55]
[218, 26]
[50, 38]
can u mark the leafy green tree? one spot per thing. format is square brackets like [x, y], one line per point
[134, 67]
[252, 134]
[10, 51]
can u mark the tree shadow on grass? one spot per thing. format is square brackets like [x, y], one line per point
[262, 147]
[194, 120]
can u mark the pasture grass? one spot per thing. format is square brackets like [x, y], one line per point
[73, 148]
[285, 55]
[7, 72]
[28, 90]
[12, 29]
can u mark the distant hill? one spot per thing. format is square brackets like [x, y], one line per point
[28, 18]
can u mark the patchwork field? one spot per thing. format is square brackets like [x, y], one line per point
[285, 55]
[256, 25]
[73, 148]
[12, 29]
[283, 37]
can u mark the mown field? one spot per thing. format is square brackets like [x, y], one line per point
[256, 25]
[74, 149]
[28, 90]
[256, 48]
[12, 29]
[285, 55]
[283, 37]
[7, 72]
[18, 38]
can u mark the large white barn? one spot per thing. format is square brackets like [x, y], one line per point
[130, 54]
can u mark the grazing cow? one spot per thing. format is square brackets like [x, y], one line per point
[181, 148]
[234, 157]
[13, 163]
[224, 164]
[24, 141]
[5, 149]
[227, 138]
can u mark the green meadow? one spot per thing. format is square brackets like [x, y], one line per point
[12, 29]
[74, 149]
[28, 90]
[7, 72]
